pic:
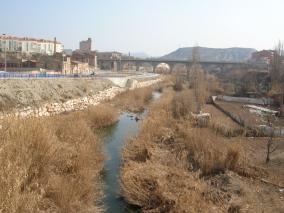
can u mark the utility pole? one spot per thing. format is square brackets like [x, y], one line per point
[5, 59]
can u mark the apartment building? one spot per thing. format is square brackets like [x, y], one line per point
[28, 46]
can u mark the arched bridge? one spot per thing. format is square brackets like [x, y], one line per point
[119, 64]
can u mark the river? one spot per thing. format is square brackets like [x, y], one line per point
[114, 139]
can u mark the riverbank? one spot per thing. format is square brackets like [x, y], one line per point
[16, 94]
[56, 163]
[40, 98]
[53, 164]
[174, 165]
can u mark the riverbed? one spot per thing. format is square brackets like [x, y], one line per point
[114, 139]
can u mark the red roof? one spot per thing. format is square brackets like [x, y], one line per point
[27, 39]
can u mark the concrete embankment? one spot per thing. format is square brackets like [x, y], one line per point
[47, 97]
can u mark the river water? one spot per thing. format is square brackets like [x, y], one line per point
[114, 139]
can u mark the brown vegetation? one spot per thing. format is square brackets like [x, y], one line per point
[183, 104]
[53, 164]
[133, 100]
[221, 123]
[243, 114]
[167, 80]
[101, 115]
[176, 166]
[178, 85]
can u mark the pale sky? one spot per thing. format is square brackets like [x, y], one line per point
[156, 27]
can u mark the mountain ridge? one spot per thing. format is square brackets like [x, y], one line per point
[232, 54]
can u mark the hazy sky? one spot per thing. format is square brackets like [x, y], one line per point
[156, 27]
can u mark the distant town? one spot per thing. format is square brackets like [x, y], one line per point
[24, 54]
[142, 106]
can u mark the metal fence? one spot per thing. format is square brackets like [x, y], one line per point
[6, 75]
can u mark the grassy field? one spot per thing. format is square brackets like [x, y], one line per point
[174, 165]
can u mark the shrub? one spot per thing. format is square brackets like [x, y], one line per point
[183, 104]
[28, 149]
[212, 153]
[78, 167]
[50, 164]
[134, 100]
[178, 85]
[166, 167]
[101, 116]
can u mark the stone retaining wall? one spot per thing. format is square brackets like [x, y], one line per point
[234, 117]
[51, 109]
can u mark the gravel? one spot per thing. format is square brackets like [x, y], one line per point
[19, 93]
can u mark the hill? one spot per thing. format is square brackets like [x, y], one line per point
[234, 54]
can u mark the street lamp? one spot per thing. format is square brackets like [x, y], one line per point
[5, 59]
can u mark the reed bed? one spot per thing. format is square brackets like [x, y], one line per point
[134, 100]
[166, 168]
[53, 164]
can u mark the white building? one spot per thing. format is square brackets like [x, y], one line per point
[30, 45]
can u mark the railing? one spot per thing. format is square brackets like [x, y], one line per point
[150, 60]
[42, 75]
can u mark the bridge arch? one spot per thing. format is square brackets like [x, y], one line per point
[162, 67]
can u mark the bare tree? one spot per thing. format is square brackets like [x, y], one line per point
[213, 85]
[277, 68]
[270, 145]
[198, 78]
[178, 82]
[277, 72]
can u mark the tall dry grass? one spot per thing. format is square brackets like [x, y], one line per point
[226, 131]
[167, 80]
[27, 148]
[134, 100]
[101, 115]
[53, 164]
[210, 153]
[183, 104]
[166, 168]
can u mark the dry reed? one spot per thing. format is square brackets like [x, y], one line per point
[53, 164]
[166, 165]
[134, 100]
